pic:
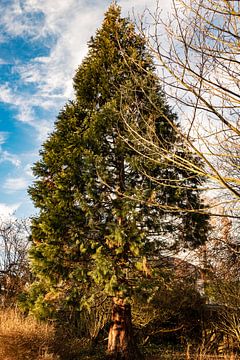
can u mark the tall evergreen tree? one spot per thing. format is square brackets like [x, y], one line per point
[96, 225]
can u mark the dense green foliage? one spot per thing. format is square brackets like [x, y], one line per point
[100, 214]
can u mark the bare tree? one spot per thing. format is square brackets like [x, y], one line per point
[197, 54]
[14, 272]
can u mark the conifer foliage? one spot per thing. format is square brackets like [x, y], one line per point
[96, 225]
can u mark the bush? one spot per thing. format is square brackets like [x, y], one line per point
[172, 316]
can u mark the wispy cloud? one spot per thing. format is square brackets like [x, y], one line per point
[6, 95]
[3, 137]
[25, 104]
[15, 184]
[18, 19]
[72, 23]
[6, 156]
[48, 79]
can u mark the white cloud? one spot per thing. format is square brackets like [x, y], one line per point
[6, 156]
[138, 6]
[28, 170]
[25, 105]
[2, 62]
[6, 94]
[22, 101]
[19, 19]
[71, 23]
[7, 211]
[15, 184]
[55, 17]
[54, 13]
[44, 128]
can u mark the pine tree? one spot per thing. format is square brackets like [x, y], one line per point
[96, 225]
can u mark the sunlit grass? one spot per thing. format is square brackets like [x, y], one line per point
[24, 338]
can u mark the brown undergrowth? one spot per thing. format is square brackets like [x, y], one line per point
[24, 338]
[174, 355]
[185, 356]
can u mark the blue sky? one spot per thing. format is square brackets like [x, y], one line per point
[42, 42]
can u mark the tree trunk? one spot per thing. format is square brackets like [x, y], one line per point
[121, 344]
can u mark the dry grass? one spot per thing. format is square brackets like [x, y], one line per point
[161, 353]
[182, 356]
[24, 338]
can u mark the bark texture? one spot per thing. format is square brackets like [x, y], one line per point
[121, 343]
